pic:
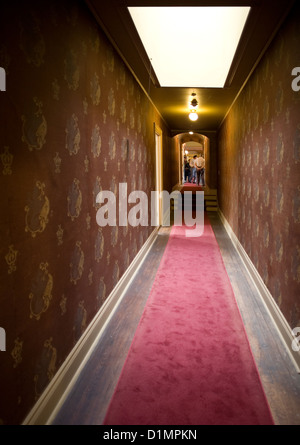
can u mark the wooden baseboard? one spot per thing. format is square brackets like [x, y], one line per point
[48, 405]
[282, 326]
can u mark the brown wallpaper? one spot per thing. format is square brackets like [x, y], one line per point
[73, 122]
[259, 159]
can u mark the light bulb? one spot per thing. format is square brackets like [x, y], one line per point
[193, 116]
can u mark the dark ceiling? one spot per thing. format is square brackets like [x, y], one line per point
[263, 22]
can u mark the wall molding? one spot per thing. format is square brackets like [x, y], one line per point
[274, 311]
[49, 403]
[178, 186]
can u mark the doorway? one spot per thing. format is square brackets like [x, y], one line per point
[195, 144]
[159, 170]
[190, 149]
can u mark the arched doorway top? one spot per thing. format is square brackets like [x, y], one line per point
[187, 137]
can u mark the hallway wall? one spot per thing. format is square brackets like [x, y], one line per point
[211, 176]
[74, 121]
[258, 169]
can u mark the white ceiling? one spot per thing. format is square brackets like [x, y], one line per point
[190, 46]
[263, 22]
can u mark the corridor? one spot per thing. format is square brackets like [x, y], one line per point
[94, 124]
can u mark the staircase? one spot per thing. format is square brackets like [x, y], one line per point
[211, 200]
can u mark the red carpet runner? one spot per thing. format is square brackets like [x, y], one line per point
[190, 362]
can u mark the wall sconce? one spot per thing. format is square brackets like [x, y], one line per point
[193, 107]
[194, 104]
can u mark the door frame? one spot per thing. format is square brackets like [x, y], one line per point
[158, 171]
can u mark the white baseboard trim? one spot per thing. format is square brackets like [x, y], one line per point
[48, 405]
[283, 328]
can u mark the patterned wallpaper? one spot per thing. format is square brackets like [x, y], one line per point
[73, 122]
[259, 160]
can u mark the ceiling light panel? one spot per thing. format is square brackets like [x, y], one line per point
[190, 46]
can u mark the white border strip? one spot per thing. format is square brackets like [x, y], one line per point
[48, 405]
[275, 313]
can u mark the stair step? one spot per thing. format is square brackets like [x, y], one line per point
[211, 202]
[210, 193]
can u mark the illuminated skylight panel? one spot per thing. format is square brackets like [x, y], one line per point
[190, 46]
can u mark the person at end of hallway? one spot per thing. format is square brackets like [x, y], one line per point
[193, 169]
[200, 165]
[187, 170]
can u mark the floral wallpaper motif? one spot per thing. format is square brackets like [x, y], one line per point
[259, 170]
[73, 122]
